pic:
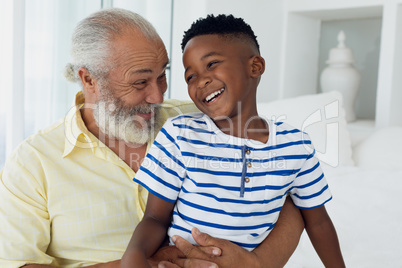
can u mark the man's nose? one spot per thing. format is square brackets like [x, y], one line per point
[155, 94]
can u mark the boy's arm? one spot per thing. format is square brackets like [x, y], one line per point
[149, 233]
[323, 236]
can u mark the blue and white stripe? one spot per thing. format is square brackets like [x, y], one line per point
[224, 191]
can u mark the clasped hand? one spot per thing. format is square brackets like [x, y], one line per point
[211, 252]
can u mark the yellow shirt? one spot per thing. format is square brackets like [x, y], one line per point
[66, 199]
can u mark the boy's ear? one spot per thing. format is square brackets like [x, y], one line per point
[88, 82]
[257, 66]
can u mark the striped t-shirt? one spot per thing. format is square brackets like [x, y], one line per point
[230, 187]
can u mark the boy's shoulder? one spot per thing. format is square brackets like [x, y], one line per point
[287, 131]
[282, 125]
[188, 123]
[285, 134]
[189, 118]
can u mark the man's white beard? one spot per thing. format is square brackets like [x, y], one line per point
[119, 121]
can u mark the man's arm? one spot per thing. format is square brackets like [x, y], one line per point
[323, 236]
[166, 253]
[274, 251]
[112, 264]
[163, 254]
[25, 221]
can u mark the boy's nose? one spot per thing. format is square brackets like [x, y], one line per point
[204, 82]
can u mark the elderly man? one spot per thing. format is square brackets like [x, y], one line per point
[67, 196]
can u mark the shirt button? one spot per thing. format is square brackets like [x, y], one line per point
[140, 188]
[248, 151]
[247, 179]
[249, 164]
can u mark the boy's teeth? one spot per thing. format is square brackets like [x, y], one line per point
[212, 95]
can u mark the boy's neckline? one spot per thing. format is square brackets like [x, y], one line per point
[267, 139]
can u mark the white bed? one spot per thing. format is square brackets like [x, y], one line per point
[367, 213]
[365, 181]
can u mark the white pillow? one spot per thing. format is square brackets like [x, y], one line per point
[322, 117]
[382, 149]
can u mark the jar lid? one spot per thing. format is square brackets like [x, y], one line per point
[341, 54]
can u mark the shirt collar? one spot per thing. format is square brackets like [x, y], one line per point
[76, 133]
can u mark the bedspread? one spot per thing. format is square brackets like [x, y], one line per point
[367, 213]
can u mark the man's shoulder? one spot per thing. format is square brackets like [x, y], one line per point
[35, 150]
[51, 132]
[172, 108]
[174, 103]
[51, 136]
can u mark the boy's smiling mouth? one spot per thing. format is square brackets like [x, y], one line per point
[213, 95]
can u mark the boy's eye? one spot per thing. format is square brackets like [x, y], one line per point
[189, 78]
[209, 65]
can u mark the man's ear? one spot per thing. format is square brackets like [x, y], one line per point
[88, 82]
[257, 66]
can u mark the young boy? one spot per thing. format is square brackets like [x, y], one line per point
[227, 171]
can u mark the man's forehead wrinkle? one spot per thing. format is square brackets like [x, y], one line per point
[145, 65]
[137, 57]
[148, 70]
[125, 46]
[143, 61]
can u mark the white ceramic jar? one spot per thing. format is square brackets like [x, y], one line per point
[341, 75]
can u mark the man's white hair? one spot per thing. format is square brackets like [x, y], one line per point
[93, 36]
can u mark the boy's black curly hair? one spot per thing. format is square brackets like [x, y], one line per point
[225, 25]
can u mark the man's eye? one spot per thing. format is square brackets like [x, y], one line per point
[163, 75]
[140, 84]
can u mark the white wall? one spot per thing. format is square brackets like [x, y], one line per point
[184, 13]
[265, 18]
[152, 10]
[299, 56]
[396, 107]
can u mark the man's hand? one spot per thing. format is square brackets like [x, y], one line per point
[172, 257]
[112, 264]
[168, 254]
[212, 252]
